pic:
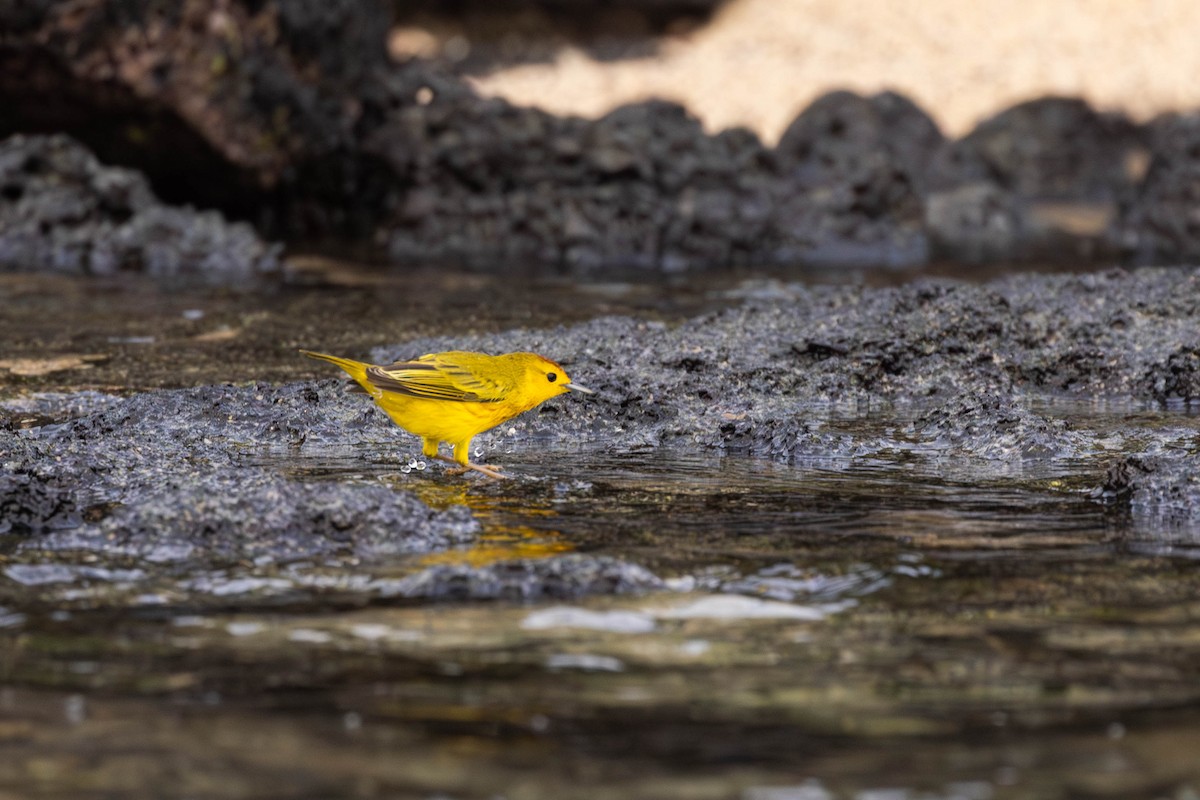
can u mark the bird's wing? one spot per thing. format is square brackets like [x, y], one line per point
[438, 376]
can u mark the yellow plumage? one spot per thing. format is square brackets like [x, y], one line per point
[453, 396]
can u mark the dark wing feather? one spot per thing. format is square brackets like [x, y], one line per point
[439, 376]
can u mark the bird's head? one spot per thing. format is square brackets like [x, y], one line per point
[543, 378]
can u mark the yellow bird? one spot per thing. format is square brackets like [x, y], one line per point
[450, 397]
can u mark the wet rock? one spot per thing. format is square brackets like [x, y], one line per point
[41, 574]
[165, 476]
[763, 377]
[175, 474]
[1168, 494]
[994, 427]
[786, 582]
[1176, 378]
[30, 505]
[53, 407]
[1107, 332]
[63, 211]
[234, 515]
[1120, 479]
[1160, 491]
[559, 578]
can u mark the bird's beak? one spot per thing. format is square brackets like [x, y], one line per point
[575, 387]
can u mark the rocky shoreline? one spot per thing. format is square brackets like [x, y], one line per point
[346, 144]
[946, 372]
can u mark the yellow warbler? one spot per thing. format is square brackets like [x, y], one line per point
[450, 397]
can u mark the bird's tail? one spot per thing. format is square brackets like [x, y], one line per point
[356, 369]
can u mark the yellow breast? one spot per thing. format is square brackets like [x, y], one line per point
[444, 421]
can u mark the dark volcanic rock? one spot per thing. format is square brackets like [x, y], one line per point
[576, 8]
[855, 172]
[843, 132]
[1120, 479]
[1161, 490]
[501, 34]
[871, 216]
[1041, 180]
[1166, 491]
[244, 87]
[997, 427]
[749, 379]
[31, 505]
[63, 211]
[1178, 377]
[290, 114]
[561, 577]
[164, 475]
[1160, 223]
[184, 480]
[53, 407]
[642, 187]
[1051, 149]
[230, 515]
[978, 222]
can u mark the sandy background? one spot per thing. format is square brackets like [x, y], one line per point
[759, 62]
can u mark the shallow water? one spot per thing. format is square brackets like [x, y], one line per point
[897, 624]
[830, 631]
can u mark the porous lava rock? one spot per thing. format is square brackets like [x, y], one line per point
[63, 211]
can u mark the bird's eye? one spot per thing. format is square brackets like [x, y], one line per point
[552, 377]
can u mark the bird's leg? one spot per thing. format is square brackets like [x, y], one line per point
[429, 449]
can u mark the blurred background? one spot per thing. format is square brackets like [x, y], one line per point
[759, 63]
[657, 136]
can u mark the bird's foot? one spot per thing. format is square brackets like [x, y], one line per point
[495, 473]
